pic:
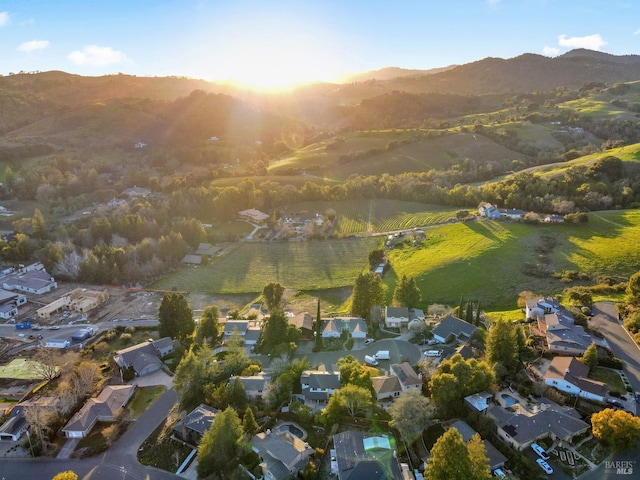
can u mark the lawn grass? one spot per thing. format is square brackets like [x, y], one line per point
[505, 315]
[610, 377]
[314, 265]
[142, 398]
[19, 368]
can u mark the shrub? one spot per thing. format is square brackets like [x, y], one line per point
[610, 362]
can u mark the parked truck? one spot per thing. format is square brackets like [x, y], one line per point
[382, 355]
[24, 325]
[82, 334]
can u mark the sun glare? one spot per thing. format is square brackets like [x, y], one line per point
[275, 58]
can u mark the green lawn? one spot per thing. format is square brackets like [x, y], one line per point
[610, 377]
[142, 398]
[313, 265]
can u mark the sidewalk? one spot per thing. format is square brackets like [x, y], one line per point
[68, 448]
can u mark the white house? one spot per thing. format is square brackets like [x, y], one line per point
[569, 375]
[489, 211]
[396, 317]
[408, 379]
[333, 327]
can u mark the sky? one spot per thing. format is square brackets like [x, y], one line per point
[274, 43]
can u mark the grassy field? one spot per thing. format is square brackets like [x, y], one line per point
[362, 216]
[418, 156]
[142, 399]
[610, 377]
[493, 262]
[19, 368]
[314, 265]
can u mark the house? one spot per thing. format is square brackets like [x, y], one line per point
[511, 213]
[137, 192]
[453, 326]
[553, 219]
[333, 327]
[563, 337]
[408, 379]
[496, 459]
[521, 428]
[253, 215]
[478, 402]
[15, 425]
[283, 455]
[395, 317]
[489, 211]
[235, 326]
[539, 307]
[252, 336]
[207, 249]
[144, 358]
[30, 279]
[105, 408]
[386, 387]
[366, 458]
[79, 300]
[116, 202]
[569, 375]
[304, 323]
[9, 303]
[318, 386]
[195, 423]
[191, 259]
[255, 386]
[465, 351]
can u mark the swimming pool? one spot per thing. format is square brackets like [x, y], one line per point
[509, 401]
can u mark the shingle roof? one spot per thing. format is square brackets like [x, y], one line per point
[405, 374]
[356, 463]
[452, 325]
[386, 384]
[575, 372]
[105, 406]
[198, 420]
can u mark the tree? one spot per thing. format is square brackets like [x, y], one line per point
[407, 292]
[175, 316]
[237, 394]
[249, 424]
[376, 257]
[46, 361]
[38, 226]
[633, 289]
[590, 357]
[84, 378]
[274, 330]
[208, 326]
[352, 372]
[68, 475]
[502, 345]
[190, 377]
[348, 400]
[411, 413]
[452, 458]
[272, 295]
[367, 292]
[219, 444]
[616, 428]
[318, 327]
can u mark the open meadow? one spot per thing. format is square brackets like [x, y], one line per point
[19, 368]
[314, 265]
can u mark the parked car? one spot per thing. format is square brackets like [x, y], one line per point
[433, 353]
[540, 451]
[615, 403]
[368, 341]
[544, 466]
[498, 472]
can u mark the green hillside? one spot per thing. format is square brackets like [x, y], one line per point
[494, 261]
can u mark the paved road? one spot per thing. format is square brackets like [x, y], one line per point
[619, 460]
[605, 319]
[119, 462]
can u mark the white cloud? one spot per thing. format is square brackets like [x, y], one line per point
[33, 45]
[637, 32]
[4, 19]
[591, 42]
[96, 56]
[551, 51]
[493, 2]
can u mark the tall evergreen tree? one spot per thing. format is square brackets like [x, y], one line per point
[220, 444]
[461, 308]
[272, 295]
[367, 292]
[318, 326]
[502, 346]
[407, 292]
[175, 316]
[477, 322]
[468, 316]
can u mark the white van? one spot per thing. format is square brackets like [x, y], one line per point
[433, 353]
[382, 355]
[370, 360]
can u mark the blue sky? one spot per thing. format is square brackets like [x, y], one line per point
[273, 41]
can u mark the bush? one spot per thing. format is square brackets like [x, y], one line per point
[610, 362]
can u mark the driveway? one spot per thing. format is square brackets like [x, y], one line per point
[605, 319]
[156, 378]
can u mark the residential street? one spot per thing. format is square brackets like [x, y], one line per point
[119, 462]
[605, 319]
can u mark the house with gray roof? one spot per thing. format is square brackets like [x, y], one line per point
[386, 387]
[569, 375]
[318, 386]
[396, 317]
[14, 426]
[453, 326]
[283, 455]
[30, 279]
[488, 210]
[195, 423]
[232, 326]
[564, 337]
[333, 327]
[9, 303]
[496, 458]
[520, 428]
[144, 358]
[407, 377]
[255, 386]
[105, 408]
[363, 457]
[478, 402]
